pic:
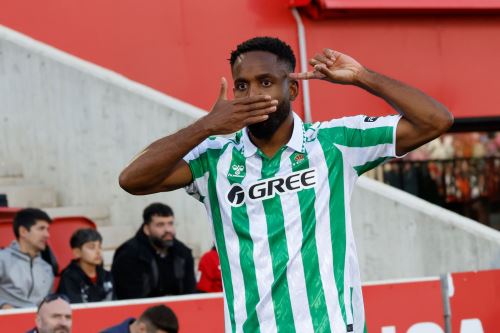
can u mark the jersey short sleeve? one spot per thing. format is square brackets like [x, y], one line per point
[366, 142]
[201, 160]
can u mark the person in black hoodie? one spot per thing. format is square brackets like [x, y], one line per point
[84, 279]
[154, 263]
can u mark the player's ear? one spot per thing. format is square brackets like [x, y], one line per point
[293, 88]
[145, 229]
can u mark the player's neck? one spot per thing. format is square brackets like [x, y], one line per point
[280, 138]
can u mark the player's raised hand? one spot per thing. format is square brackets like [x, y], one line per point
[331, 66]
[229, 116]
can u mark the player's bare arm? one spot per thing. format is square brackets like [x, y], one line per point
[160, 166]
[424, 118]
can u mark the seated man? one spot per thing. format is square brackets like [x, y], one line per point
[156, 319]
[85, 279]
[210, 275]
[53, 315]
[25, 278]
[153, 262]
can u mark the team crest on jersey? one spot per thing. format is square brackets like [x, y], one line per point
[268, 188]
[298, 159]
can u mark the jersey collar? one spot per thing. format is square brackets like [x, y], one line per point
[296, 142]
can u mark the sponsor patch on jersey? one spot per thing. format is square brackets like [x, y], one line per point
[370, 119]
[268, 188]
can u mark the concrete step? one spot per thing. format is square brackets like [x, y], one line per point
[13, 180]
[30, 195]
[10, 169]
[98, 214]
[113, 236]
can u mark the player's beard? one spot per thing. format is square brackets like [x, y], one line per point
[160, 242]
[266, 129]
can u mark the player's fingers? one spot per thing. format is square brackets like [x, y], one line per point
[258, 106]
[261, 112]
[223, 89]
[302, 76]
[321, 68]
[323, 59]
[256, 119]
[314, 62]
[330, 54]
[252, 99]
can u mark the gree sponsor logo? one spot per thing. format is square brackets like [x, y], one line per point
[268, 188]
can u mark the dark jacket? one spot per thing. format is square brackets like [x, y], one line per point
[137, 274]
[79, 288]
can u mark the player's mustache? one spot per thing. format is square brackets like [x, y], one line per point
[167, 233]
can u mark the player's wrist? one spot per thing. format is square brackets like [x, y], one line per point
[203, 128]
[362, 77]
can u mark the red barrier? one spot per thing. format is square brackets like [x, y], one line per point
[475, 304]
[402, 306]
[396, 307]
[196, 313]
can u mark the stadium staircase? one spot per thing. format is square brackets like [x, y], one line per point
[22, 192]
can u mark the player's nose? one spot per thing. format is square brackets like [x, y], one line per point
[254, 90]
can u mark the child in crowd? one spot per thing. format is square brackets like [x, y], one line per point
[85, 279]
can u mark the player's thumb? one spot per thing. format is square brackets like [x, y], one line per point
[223, 89]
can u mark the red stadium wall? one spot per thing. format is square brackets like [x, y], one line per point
[396, 307]
[180, 47]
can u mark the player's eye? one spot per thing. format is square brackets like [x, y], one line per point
[266, 83]
[241, 86]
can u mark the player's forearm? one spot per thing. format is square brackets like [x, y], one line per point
[155, 163]
[418, 108]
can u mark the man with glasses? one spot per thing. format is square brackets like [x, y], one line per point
[53, 315]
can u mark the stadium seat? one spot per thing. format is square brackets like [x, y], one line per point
[8, 212]
[6, 232]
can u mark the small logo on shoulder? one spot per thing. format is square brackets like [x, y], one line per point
[370, 119]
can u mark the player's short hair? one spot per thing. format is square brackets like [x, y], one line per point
[160, 317]
[156, 209]
[268, 44]
[82, 236]
[27, 218]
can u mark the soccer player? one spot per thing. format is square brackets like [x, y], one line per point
[277, 191]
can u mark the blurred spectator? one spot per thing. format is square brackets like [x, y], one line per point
[85, 279]
[25, 278]
[153, 262]
[156, 319]
[53, 315]
[210, 274]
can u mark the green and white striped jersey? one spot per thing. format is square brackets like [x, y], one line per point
[282, 225]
